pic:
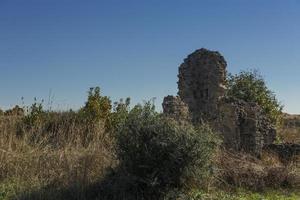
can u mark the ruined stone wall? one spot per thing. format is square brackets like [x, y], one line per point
[227, 125]
[201, 86]
[201, 82]
[175, 108]
[251, 137]
[239, 124]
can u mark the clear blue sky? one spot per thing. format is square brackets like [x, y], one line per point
[134, 47]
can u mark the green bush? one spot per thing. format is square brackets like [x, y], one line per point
[250, 86]
[160, 154]
[97, 108]
[120, 113]
[35, 114]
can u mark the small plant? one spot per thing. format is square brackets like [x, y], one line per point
[35, 114]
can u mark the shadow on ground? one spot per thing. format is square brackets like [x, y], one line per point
[115, 186]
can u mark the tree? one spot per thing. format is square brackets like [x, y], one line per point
[97, 107]
[250, 86]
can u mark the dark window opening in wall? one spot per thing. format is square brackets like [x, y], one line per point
[206, 94]
[195, 94]
[201, 94]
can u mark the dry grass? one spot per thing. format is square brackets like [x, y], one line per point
[64, 159]
[38, 164]
[243, 170]
[290, 132]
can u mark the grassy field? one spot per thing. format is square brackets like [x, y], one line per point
[61, 157]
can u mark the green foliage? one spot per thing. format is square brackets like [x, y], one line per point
[6, 191]
[120, 112]
[35, 114]
[97, 107]
[10, 188]
[250, 86]
[160, 153]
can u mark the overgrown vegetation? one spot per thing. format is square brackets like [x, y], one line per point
[290, 130]
[246, 171]
[117, 152]
[158, 155]
[75, 155]
[250, 86]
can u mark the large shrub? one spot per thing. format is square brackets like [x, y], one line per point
[250, 86]
[159, 154]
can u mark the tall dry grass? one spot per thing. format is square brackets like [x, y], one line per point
[65, 157]
[244, 170]
[57, 155]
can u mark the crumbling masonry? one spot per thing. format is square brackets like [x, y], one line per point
[201, 93]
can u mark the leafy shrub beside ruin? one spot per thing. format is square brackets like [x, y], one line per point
[158, 154]
[250, 86]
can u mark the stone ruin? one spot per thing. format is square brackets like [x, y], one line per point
[201, 95]
[176, 108]
[201, 83]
